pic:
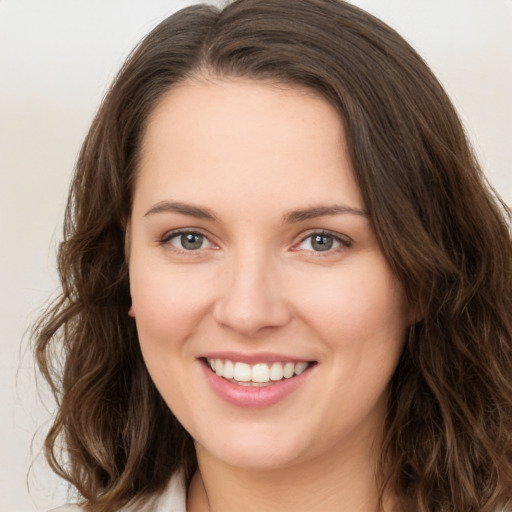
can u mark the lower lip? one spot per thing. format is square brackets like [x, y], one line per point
[253, 396]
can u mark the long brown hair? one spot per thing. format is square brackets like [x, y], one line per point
[443, 230]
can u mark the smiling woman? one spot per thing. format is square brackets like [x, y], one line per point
[284, 274]
[286, 284]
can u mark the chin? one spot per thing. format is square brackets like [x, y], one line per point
[267, 453]
[257, 460]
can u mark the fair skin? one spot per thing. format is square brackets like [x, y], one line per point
[249, 243]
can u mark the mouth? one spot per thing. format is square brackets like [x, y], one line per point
[260, 374]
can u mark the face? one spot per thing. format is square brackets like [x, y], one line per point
[268, 317]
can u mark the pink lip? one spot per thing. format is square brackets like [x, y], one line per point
[253, 358]
[249, 396]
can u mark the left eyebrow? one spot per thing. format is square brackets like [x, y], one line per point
[321, 211]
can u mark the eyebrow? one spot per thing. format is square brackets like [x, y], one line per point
[182, 208]
[290, 217]
[321, 211]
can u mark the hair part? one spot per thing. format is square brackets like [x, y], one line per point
[441, 227]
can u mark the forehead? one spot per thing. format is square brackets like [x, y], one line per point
[224, 104]
[245, 137]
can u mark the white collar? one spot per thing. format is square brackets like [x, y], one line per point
[174, 497]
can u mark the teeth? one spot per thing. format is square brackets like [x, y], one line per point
[300, 367]
[242, 372]
[219, 367]
[288, 370]
[259, 373]
[276, 371]
[229, 370]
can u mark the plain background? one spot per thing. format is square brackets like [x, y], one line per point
[57, 58]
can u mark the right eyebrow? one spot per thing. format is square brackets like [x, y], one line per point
[182, 208]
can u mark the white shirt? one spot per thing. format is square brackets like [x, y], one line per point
[172, 499]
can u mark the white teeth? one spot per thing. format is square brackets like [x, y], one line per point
[300, 367]
[229, 369]
[219, 367]
[242, 372]
[288, 370]
[276, 371]
[259, 373]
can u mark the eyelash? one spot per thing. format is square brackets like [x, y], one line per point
[344, 243]
[165, 240]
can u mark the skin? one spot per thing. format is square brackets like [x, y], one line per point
[249, 153]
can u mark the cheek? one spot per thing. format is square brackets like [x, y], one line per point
[168, 303]
[357, 305]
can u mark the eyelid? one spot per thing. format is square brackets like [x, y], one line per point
[345, 241]
[164, 240]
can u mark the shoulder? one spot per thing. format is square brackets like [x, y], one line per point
[172, 499]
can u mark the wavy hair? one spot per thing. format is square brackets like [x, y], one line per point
[443, 230]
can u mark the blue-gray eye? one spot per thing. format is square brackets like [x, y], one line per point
[189, 241]
[320, 242]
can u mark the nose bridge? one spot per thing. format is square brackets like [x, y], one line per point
[252, 294]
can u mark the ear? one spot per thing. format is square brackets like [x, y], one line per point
[131, 312]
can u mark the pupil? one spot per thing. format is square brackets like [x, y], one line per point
[322, 242]
[191, 241]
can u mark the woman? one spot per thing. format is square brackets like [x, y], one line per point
[286, 283]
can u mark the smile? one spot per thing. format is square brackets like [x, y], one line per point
[255, 381]
[259, 374]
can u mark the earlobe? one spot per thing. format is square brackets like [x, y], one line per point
[131, 312]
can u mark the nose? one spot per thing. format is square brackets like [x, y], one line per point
[251, 298]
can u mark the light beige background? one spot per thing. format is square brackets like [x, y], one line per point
[56, 59]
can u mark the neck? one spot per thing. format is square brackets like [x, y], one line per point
[337, 482]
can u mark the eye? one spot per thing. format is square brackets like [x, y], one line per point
[187, 240]
[322, 242]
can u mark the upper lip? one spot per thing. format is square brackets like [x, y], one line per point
[254, 357]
